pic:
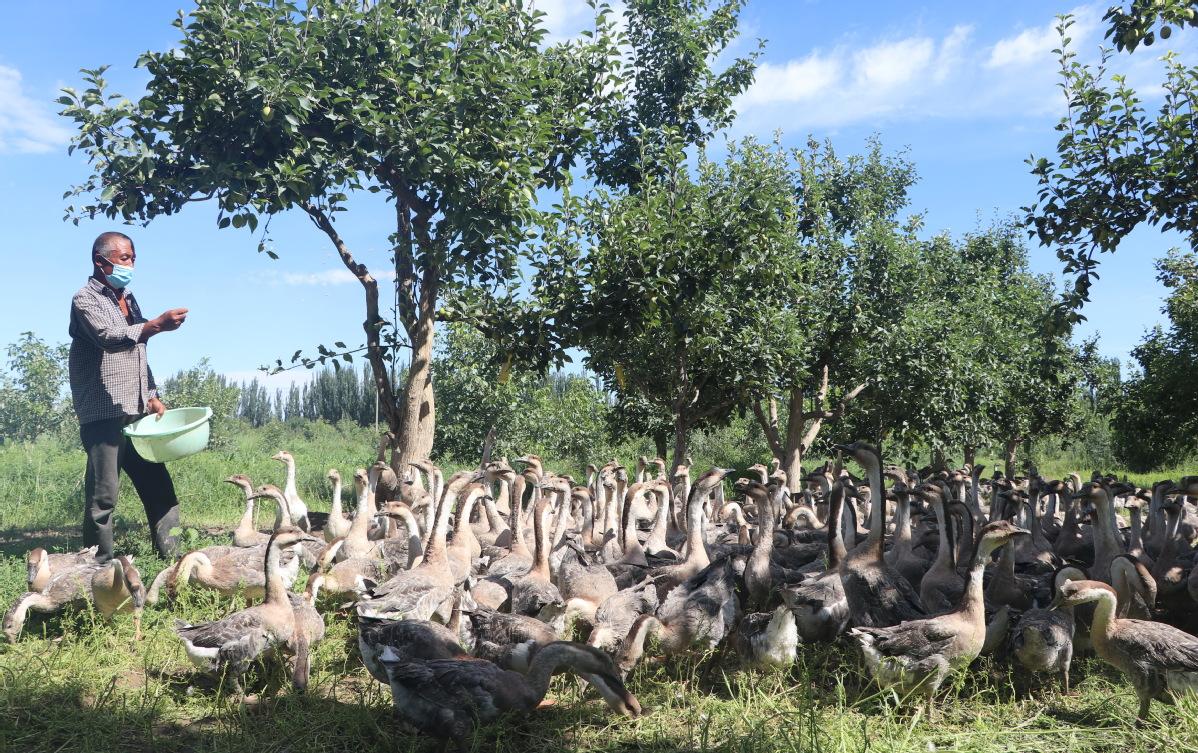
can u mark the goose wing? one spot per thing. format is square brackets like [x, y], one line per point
[473, 687]
[1156, 645]
[224, 631]
[915, 640]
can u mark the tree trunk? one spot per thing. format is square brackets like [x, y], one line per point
[971, 455]
[938, 463]
[792, 453]
[660, 443]
[417, 414]
[1009, 457]
[681, 439]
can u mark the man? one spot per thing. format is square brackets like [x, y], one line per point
[112, 386]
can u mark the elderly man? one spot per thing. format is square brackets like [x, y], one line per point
[112, 386]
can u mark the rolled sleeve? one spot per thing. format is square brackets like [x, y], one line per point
[97, 324]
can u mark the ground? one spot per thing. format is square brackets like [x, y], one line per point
[78, 684]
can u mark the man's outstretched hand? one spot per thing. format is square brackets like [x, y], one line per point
[167, 321]
[156, 406]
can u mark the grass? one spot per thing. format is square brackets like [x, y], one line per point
[75, 683]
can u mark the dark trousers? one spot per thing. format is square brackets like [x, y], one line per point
[109, 452]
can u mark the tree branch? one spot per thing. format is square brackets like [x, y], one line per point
[374, 323]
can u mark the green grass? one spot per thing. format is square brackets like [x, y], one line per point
[76, 683]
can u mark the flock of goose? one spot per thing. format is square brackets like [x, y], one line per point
[470, 592]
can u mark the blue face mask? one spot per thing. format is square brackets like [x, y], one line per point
[120, 276]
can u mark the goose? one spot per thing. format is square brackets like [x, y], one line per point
[406, 639]
[878, 595]
[942, 586]
[1108, 543]
[464, 548]
[819, 605]
[295, 506]
[347, 578]
[338, 525]
[902, 556]
[357, 539]
[584, 586]
[767, 639]
[1042, 639]
[1169, 570]
[401, 553]
[233, 642]
[616, 615]
[246, 534]
[696, 557]
[1135, 537]
[1136, 587]
[533, 590]
[1159, 659]
[448, 698]
[309, 630]
[509, 640]
[913, 658]
[424, 589]
[40, 564]
[696, 614]
[111, 587]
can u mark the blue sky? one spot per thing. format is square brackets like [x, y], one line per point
[969, 89]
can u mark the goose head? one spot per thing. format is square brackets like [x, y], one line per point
[1074, 592]
[997, 534]
[241, 481]
[283, 457]
[37, 565]
[333, 475]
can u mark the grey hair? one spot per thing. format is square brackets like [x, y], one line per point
[106, 243]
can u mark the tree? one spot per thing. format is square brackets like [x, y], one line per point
[1156, 421]
[668, 91]
[455, 110]
[1117, 166]
[846, 299]
[969, 366]
[679, 303]
[201, 386]
[31, 392]
[560, 416]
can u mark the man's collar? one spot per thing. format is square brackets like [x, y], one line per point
[97, 284]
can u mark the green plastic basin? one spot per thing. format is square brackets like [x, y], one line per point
[179, 433]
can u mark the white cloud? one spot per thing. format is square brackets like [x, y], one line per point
[916, 77]
[795, 81]
[893, 63]
[27, 126]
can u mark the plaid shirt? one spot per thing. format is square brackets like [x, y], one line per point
[110, 376]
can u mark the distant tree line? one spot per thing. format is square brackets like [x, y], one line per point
[332, 395]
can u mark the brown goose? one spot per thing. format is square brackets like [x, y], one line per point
[423, 590]
[234, 642]
[40, 564]
[533, 590]
[246, 533]
[914, 657]
[112, 587]
[337, 524]
[698, 613]
[296, 508]
[942, 586]
[448, 698]
[878, 595]
[1042, 640]
[1159, 659]
[819, 605]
